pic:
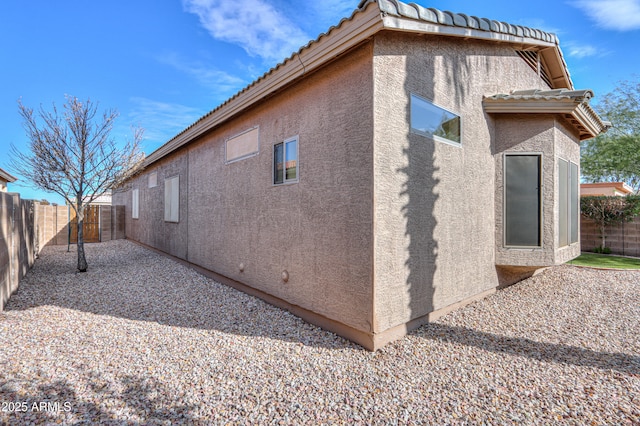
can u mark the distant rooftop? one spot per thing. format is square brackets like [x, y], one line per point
[6, 176]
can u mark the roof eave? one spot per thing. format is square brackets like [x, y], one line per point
[549, 50]
[582, 116]
[7, 177]
[363, 24]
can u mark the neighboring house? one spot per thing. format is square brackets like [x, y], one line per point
[4, 179]
[101, 200]
[620, 189]
[404, 163]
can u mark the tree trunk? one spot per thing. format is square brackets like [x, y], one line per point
[82, 260]
[602, 228]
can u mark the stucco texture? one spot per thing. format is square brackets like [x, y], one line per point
[319, 230]
[384, 226]
[434, 211]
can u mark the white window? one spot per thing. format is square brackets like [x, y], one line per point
[242, 146]
[172, 199]
[135, 204]
[285, 161]
[428, 119]
[153, 180]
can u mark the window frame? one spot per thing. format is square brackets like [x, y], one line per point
[284, 143]
[416, 131]
[540, 156]
[135, 203]
[246, 155]
[152, 183]
[168, 213]
[570, 204]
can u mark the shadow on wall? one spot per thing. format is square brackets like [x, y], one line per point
[420, 194]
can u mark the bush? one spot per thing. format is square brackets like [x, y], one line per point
[605, 250]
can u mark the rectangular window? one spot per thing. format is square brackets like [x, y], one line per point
[568, 203]
[285, 161]
[574, 209]
[563, 203]
[135, 204]
[242, 146]
[172, 199]
[153, 179]
[522, 200]
[428, 119]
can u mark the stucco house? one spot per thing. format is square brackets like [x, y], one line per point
[619, 189]
[5, 178]
[402, 164]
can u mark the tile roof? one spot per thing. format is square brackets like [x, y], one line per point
[364, 22]
[415, 11]
[537, 94]
[571, 104]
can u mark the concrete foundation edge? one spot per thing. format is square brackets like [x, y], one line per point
[369, 341]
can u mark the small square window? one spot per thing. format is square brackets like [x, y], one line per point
[428, 119]
[285, 161]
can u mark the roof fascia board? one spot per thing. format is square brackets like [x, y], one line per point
[563, 106]
[587, 117]
[582, 113]
[340, 39]
[399, 23]
[7, 177]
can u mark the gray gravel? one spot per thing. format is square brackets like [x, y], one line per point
[142, 339]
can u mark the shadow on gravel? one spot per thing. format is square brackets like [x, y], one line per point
[141, 285]
[539, 351]
[140, 400]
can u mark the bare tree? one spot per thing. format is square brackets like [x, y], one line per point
[73, 154]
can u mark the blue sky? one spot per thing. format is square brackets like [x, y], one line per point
[164, 63]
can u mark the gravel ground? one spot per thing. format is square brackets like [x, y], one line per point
[140, 339]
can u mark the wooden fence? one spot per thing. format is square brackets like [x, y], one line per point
[17, 242]
[26, 226]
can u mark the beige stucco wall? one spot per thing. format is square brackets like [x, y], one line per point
[527, 133]
[384, 226]
[566, 146]
[434, 211]
[554, 138]
[150, 228]
[318, 230]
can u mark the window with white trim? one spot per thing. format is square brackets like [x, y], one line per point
[428, 119]
[172, 199]
[285, 161]
[135, 204]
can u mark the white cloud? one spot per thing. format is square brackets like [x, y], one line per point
[254, 25]
[582, 50]
[222, 84]
[621, 15]
[161, 120]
